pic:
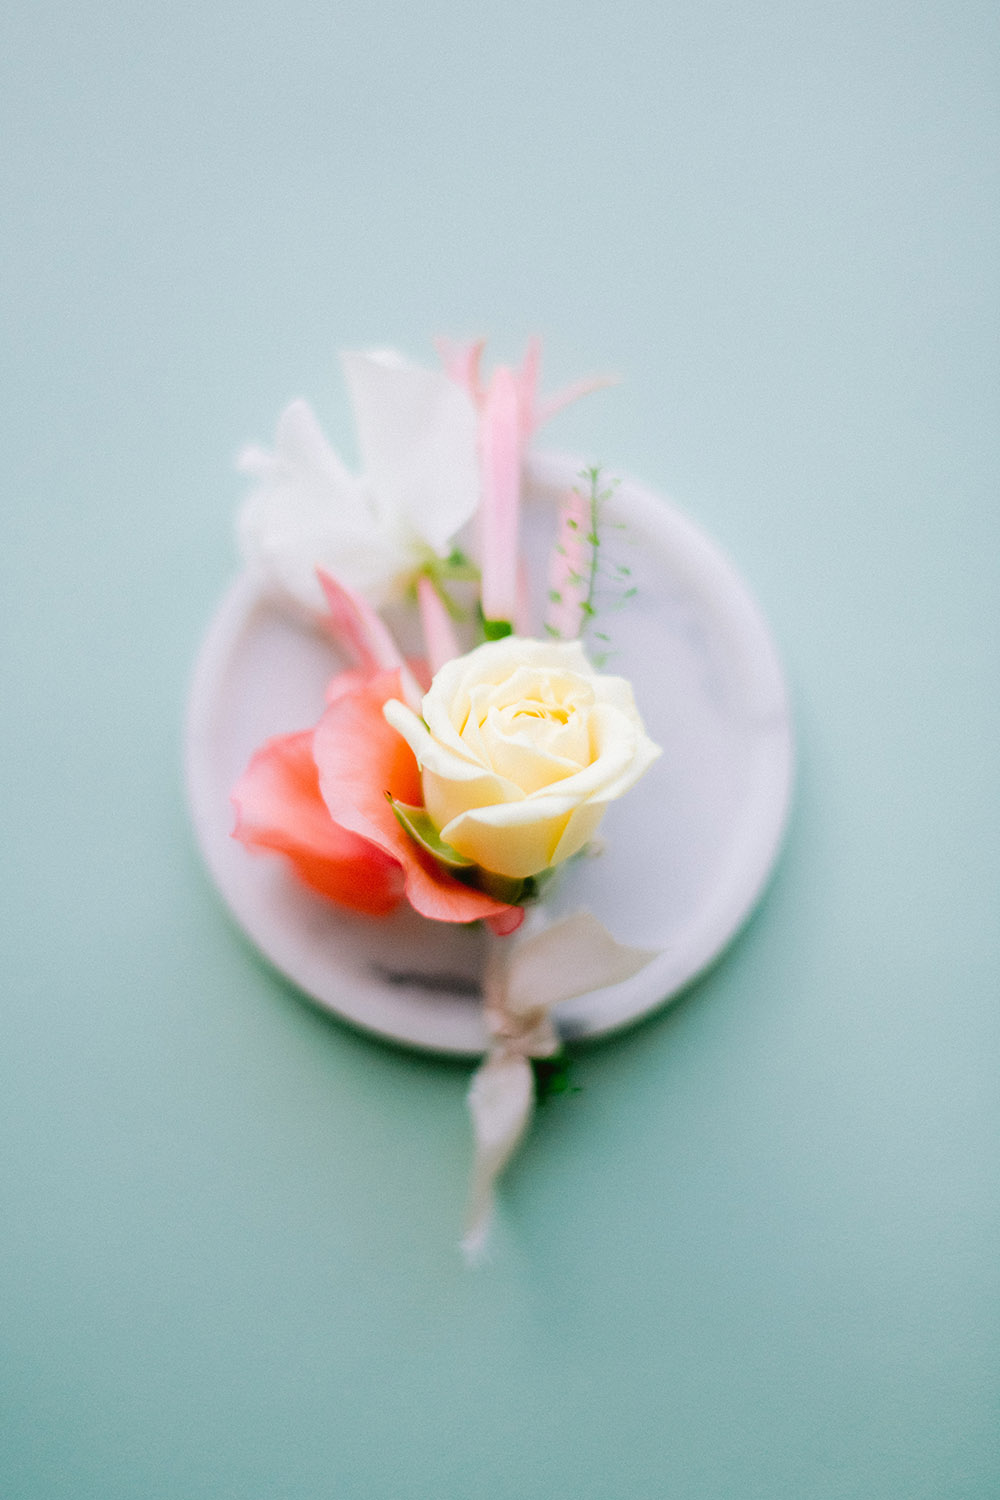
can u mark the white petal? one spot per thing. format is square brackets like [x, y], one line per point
[408, 724]
[301, 445]
[570, 958]
[417, 438]
[307, 511]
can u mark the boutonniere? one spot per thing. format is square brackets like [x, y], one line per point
[476, 727]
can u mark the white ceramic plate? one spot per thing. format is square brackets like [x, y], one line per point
[685, 854]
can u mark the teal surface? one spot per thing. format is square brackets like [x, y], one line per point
[757, 1255]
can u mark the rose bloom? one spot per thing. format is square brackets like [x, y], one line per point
[521, 747]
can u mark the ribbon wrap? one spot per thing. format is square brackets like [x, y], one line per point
[524, 979]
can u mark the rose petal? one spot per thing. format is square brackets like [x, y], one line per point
[279, 808]
[450, 782]
[580, 828]
[361, 757]
[515, 838]
[446, 796]
[528, 765]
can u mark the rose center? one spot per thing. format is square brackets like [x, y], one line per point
[556, 715]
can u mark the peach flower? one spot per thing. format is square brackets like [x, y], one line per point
[320, 798]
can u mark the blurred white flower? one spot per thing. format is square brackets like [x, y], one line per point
[419, 485]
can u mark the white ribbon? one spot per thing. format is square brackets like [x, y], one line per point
[525, 977]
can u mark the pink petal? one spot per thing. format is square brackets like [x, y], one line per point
[526, 380]
[439, 633]
[361, 758]
[552, 404]
[500, 450]
[415, 679]
[345, 682]
[523, 616]
[461, 364]
[506, 922]
[279, 808]
[357, 627]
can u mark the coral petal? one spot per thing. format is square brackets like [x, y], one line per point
[361, 758]
[279, 808]
[506, 922]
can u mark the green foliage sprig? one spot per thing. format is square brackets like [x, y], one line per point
[605, 582]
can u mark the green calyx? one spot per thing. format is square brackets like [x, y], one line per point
[416, 823]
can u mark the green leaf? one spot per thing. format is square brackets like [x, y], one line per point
[416, 822]
[552, 1077]
[495, 630]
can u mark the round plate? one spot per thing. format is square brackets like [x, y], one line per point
[683, 857]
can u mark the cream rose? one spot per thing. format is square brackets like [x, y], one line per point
[521, 747]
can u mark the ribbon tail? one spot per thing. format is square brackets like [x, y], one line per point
[501, 1100]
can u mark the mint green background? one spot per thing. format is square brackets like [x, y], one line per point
[757, 1256]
